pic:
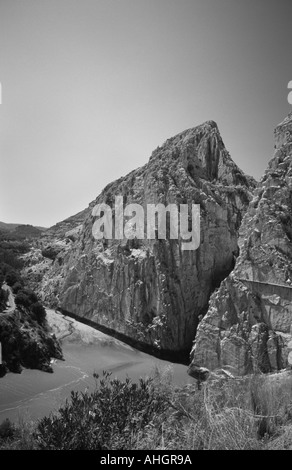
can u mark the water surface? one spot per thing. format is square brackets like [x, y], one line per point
[34, 394]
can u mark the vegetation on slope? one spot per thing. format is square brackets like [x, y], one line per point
[20, 231]
[24, 334]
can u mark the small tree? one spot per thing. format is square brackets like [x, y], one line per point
[17, 287]
[22, 300]
[12, 277]
[39, 312]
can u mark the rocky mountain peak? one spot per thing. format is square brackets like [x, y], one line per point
[203, 155]
[150, 290]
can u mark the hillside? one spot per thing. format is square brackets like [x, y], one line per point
[25, 336]
[20, 231]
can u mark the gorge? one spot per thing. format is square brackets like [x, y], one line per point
[169, 301]
[151, 290]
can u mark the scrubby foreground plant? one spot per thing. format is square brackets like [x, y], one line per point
[108, 418]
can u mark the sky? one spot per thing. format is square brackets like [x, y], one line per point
[91, 87]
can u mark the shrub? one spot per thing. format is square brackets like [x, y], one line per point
[4, 268]
[12, 277]
[7, 429]
[17, 286]
[22, 300]
[108, 418]
[26, 298]
[39, 312]
[33, 298]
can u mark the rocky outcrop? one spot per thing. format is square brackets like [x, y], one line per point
[249, 320]
[60, 229]
[52, 250]
[152, 290]
[25, 343]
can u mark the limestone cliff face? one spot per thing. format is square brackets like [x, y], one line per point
[248, 323]
[152, 290]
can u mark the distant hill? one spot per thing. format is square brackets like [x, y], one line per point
[20, 230]
[9, 227]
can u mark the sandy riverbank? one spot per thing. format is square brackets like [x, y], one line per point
[68, 330]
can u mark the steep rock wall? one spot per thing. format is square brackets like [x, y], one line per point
[249, 320]
[152, 290]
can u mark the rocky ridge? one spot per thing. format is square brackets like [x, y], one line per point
[248, 324]
[151, 290]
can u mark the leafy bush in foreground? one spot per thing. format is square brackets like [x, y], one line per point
[108, 418]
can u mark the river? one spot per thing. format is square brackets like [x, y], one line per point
[34, 394]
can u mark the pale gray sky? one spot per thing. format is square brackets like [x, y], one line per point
[91, 87]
